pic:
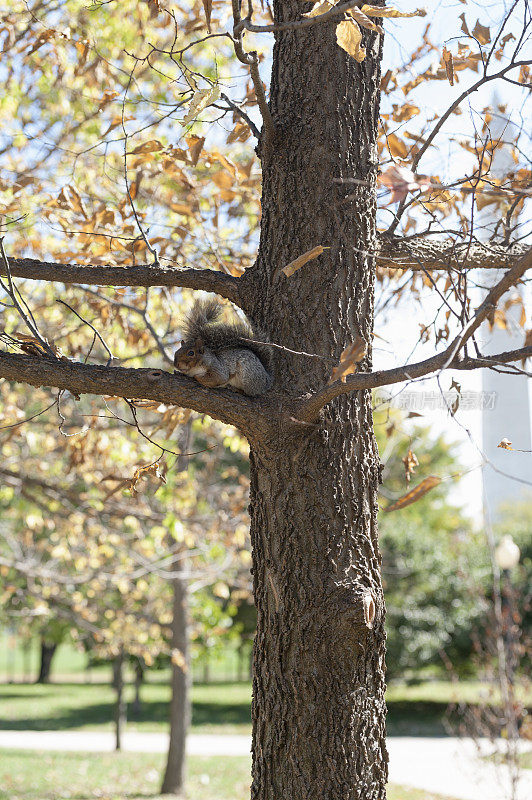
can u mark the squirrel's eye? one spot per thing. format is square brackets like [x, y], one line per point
[190, 353]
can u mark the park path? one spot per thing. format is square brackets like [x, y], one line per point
[448, 766]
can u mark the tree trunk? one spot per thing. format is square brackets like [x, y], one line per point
[139, 679]
[318, 687]
[206, 667]
[120, 705]
[174, 778]
[47, 654]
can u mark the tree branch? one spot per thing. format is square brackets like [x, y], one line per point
[249, 414]
[142, 275]
[305, 22]
[447, 359]
[393, 253]
[251, 60]
[422, 253]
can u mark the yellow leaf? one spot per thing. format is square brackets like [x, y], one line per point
[505, 444]
[377, 11]
[416, 493]
[221, 589]
[398, 148]
[178, 659]
[310, 255]
[200, 100]
[321, 7]
[364, 21]
[349, 36]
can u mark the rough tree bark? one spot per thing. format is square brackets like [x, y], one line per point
[318, 686]
[174, 777]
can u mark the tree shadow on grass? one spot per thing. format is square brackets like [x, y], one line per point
[154, 712]
[420, 718]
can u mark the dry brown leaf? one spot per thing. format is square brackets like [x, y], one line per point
[240, 133]
[76, 202]
[391, 12]
[447, 59]
[349, 359]
[195, 146]
[482, 33]
[505, 444]
[400, 181]
[349, 37]
[463, 26]
[153, 146]
[398, 148]
[405, 112]
[415, 494]
[303, 259]
[410, 463]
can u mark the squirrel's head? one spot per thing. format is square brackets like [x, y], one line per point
[189, 355]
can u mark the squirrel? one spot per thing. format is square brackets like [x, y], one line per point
[218, 354]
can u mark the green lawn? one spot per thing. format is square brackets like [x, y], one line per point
[220, 708]
[217, 708]
[28, 775]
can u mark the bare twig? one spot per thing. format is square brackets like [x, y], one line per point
[447, 359]
[91, 326]
[12, 292]
[251, 60]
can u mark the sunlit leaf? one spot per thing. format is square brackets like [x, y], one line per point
[321, 7]
[195, 146]
[200, 100]
[415, 494]
[378, 11]
[349, 37]
[349, 359]
[398, 148]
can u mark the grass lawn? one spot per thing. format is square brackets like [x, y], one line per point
[217, 708]
[27, 775]
[523, 759]
[419, 709]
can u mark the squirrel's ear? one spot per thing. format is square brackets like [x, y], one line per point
[199, 345]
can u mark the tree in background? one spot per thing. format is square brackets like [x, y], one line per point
[113, 181]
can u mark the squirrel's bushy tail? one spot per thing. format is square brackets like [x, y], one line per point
[202, 314]
[203, 322]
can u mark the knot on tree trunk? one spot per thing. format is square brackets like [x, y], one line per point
[352, 614]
